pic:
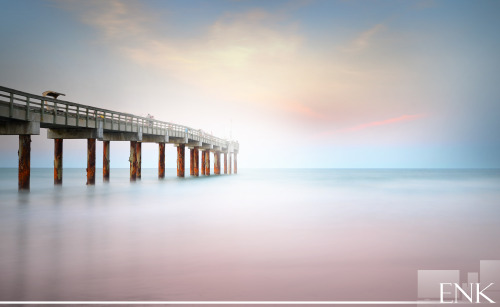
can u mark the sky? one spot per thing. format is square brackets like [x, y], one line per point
[300, 84]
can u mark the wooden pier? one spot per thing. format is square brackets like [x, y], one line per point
[24, 114]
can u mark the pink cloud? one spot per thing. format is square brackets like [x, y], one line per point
[403, 118]
[304, 111]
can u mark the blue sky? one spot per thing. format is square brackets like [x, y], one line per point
[298, 83]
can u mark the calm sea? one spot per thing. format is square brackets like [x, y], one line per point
[308, 234]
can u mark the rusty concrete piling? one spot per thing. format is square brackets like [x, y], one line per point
[203, 162]
[24, 161]
[105, 160]
[133, 160]
[180, 160]
[230, 164]
[161, 161]
[90, 161]
[217, 163]
[207, 162]
[138, 159]
[58, 161]
[191, 161]
[196, 160]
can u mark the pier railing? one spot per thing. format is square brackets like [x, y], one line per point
[88, 116]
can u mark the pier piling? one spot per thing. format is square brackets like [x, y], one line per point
[138, 159]
[196, 162]
[161, 161]
[90, 161]
[133, 160]
[217, 163]
[58, 161]
[207, 162]
[105, 160]
[191, 161]
[203, 162]
[180, 160]
[24, 161]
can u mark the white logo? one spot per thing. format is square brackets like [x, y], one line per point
[452, 286]
[469, 296]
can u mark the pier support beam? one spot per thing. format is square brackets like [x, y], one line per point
[24, 161]
[161, 160]
[58, 161]
[180, 159]
[133, 160]
[19, 127]
[203, 162]
[105, 161]
[191, 161]
[196, 161]
[71, 133]
[236, 163]
[207, 162]
[90, 161]
[217, 162]
[225, 163]
[230, 163]
[139, 159]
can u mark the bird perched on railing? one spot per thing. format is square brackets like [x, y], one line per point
[52, 94]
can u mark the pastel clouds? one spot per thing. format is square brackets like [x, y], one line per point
[116, 19]
[239, 53]
[255, 58]
[364, 39]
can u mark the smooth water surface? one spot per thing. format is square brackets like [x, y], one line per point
[259, 235]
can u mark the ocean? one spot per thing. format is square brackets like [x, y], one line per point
[263, 234]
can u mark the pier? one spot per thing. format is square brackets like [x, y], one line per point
[23, 114]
